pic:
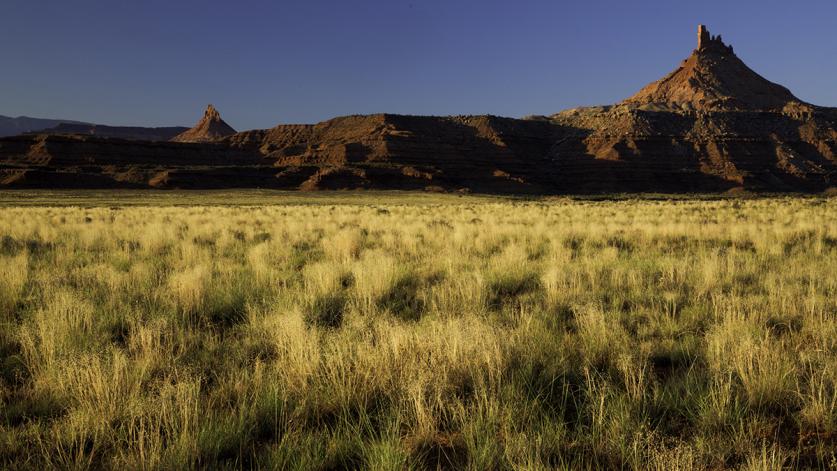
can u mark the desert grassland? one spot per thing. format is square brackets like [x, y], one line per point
[446, 333]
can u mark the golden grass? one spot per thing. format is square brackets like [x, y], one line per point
[390, 333]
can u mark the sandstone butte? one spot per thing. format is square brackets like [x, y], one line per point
[711, 125]
[210, 128]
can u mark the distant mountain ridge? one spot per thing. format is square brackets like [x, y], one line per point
[137, 133]
[712, 125]
[22, 124]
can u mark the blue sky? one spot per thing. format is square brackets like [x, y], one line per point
[155, 63]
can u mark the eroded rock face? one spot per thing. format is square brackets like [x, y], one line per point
[479, 153]
[713, 78]
[666, 151]
[711, 125]
[210, 128]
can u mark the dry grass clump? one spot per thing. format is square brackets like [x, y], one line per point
[14, 271]
[416, 333]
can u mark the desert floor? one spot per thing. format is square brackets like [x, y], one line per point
[167, 330]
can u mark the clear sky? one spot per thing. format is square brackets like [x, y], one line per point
[261, 63]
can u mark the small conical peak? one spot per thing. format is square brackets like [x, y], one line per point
[210, 128]
[713, 78]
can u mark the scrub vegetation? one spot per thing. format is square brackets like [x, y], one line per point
[442, 332]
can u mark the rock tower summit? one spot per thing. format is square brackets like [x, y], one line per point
[708, 42]
[713, 78]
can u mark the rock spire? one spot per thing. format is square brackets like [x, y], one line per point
[210, 128]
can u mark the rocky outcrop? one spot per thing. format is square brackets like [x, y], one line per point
[210, 128]
[707, 41]
[713, 78]
[711, 125]
[74, 161]
[688, 152]
[481, 153]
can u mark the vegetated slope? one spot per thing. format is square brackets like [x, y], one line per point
[711, 125]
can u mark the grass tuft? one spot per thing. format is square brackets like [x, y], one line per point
[323, 331]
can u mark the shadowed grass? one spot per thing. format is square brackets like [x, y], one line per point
[382, 331]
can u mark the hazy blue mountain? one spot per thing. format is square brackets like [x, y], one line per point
[13, 126]
[24, 124]
[136, 133]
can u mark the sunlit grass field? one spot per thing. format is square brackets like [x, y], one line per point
[391, 331]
